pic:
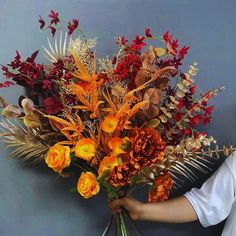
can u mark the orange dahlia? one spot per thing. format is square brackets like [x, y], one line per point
[148, 148]
[161, 190]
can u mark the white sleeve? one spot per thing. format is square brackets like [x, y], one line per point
[213, 201]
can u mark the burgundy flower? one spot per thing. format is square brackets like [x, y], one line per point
[138, 43]
[183, 51]
[6, 72]
[148, 33]
[51, 105]
[53, 30]
[47, 84]
[42, 22]
[6, 84]
[54, 17]
[72, 25]
[122, 41]
[128, 66]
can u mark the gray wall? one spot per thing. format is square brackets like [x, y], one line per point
[33, 201]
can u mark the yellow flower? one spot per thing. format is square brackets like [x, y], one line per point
[117, 145]
[58, 157]
[107, 164]
[85, 149]
[87, 185]
[110, 123]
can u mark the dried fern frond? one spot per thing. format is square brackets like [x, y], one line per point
[82, 48]
[27, 144]
[105, 64]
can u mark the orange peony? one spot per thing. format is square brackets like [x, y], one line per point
[107, 164]
[58, 157]
[161, 191]
[85, 149]
[110, 124]
[87, 185]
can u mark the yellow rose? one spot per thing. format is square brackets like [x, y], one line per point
[85, 149]
[58, 157]
[107, 164]
[87, 185]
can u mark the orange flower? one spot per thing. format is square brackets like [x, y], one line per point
[118, 145]
[161, 191]
[110, 124]
[107, 164]
[87, 185]
[58, 157]
[85, 149]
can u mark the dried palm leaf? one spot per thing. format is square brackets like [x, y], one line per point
[27, 144]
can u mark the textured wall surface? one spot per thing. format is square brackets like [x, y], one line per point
[33, 201]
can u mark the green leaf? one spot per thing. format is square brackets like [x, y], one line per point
[74, 190]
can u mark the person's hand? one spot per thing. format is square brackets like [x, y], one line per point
[133, 206]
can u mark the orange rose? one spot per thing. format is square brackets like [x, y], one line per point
[87, 185]
[85, 149]
[109, 124]
[107, 164]
[58, 157]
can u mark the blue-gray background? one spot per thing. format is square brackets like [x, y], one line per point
[33, 201]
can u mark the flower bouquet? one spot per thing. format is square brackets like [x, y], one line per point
[123, 122]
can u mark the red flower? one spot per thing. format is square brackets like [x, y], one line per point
[42, 22]
[192, 89]
[72, 25]
[46, 84]
[138, 43]
[54, 17]
[195, 120]
[208, 110]
[122, 40]
[180, 103]
[53, 30]
[51, 105]
[6, 84]
[206, 120]
[178, 116]
[183, 51]
[187, 131]
[171, 44]
[148, 33]
[128, 66]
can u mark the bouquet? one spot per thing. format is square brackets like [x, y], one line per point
[122, 122]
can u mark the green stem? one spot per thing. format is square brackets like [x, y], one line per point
[123, 226]
[79, 166]
[118, 226]
[137, 231]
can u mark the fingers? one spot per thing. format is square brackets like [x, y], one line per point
[115, 206]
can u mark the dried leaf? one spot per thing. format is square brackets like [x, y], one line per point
[11, 112]
[153, 123]
[159, 51]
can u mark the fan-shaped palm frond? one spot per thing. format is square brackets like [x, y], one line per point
[26, 144]
[58, 51]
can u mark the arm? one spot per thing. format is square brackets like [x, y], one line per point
[211, 204]
[178, 210]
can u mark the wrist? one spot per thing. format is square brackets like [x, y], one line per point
[142, 211]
